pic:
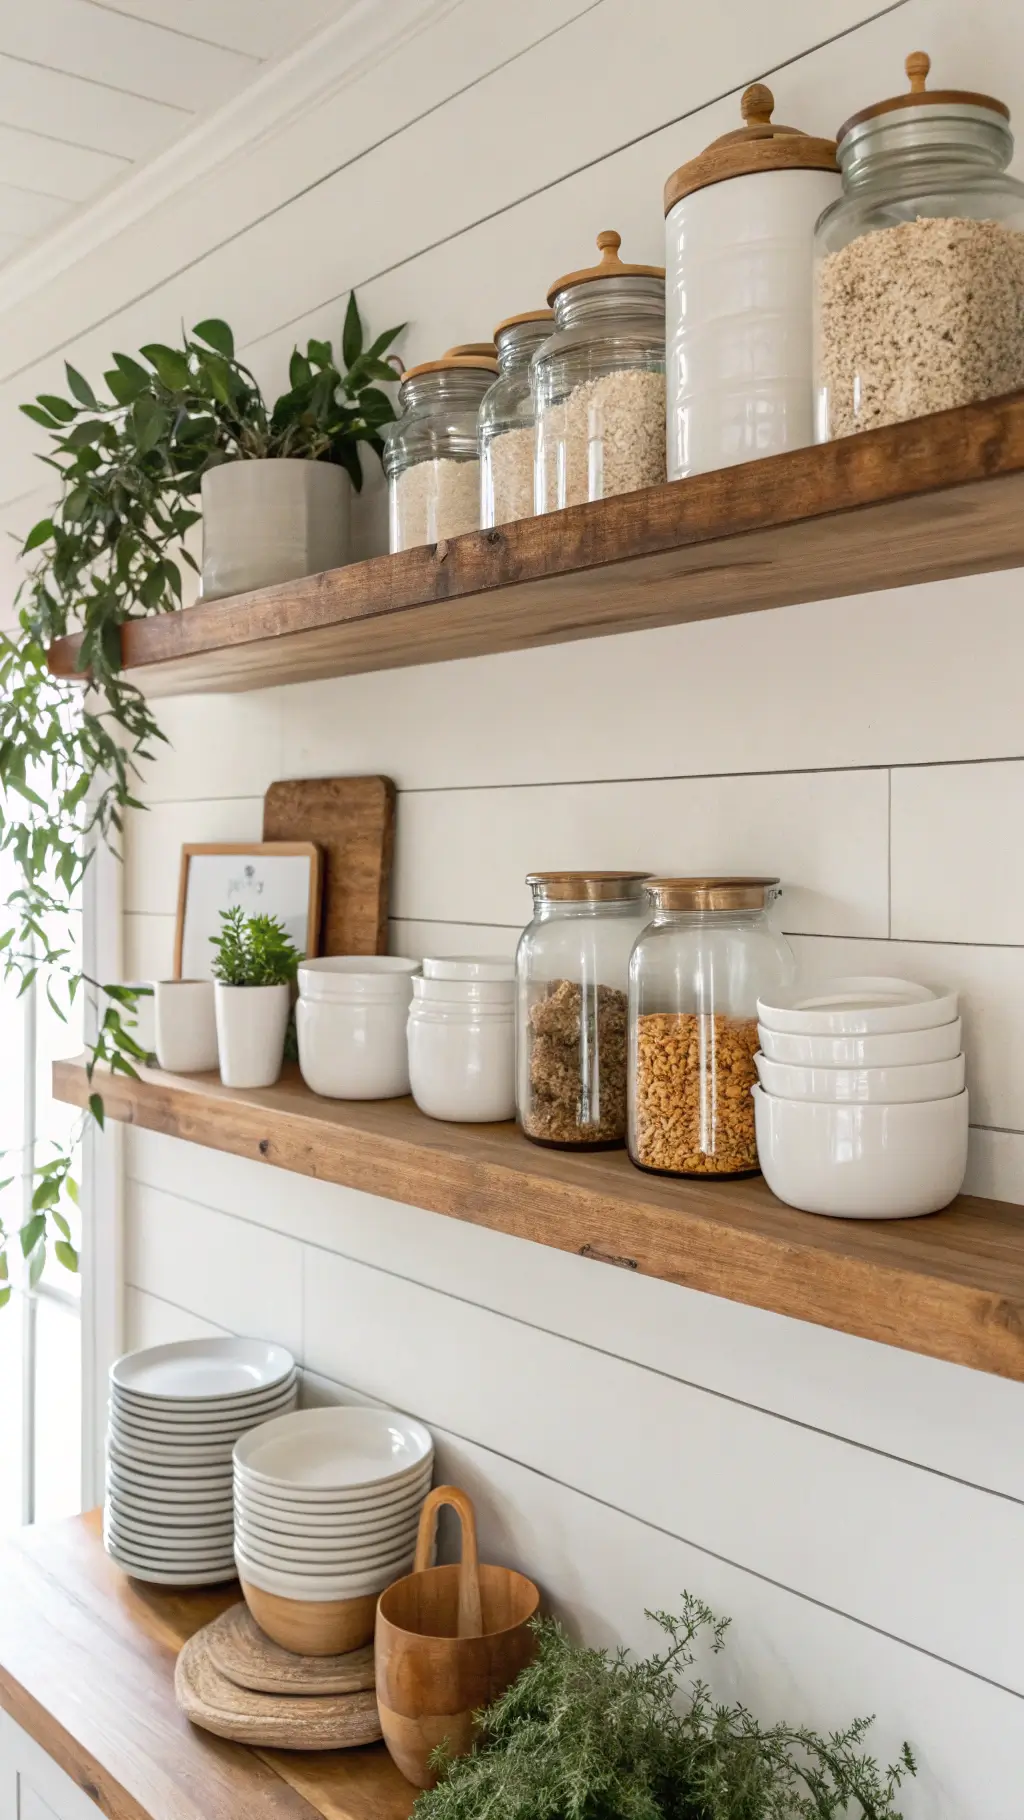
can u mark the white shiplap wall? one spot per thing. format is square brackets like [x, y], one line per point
[859, 1511]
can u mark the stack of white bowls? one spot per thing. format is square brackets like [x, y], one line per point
[462, 1043]
[861, 1107]
[175, 1413]
[350, 1023]
[327, 1504]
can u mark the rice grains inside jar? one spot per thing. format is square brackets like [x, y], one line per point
[507, 421]
[695, 975]
[919, 266]
[599, 383]
[571, 1007]
[430, 451]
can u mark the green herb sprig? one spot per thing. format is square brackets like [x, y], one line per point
[583, 1734]
[253, 951]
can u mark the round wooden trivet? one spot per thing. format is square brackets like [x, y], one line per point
[271, 1721]
[238, 1647]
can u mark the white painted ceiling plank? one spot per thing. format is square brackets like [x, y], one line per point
[262, 28]
[85, 113]
[27, 212]
[125, 54]
[34, 162]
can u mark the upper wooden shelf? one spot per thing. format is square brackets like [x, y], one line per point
[87, 1669]
[921, 501]
[951, 1285]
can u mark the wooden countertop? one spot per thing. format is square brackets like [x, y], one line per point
[87, 1669]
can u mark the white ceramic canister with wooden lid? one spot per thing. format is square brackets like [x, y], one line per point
[739, 232]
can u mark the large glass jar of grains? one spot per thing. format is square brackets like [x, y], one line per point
[919, 266]
[430, 451]
[571, 971]
[695, 976]
[507, 424]
[599, 383]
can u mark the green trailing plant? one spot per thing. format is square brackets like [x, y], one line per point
[587, 1735]
[128, 463]
[253, 951]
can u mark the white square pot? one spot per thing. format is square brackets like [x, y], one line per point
[271, 521]
[251, 1026]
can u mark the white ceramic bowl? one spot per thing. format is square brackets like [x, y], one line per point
[469, 967]
[863, 1162]
[857, 1005]
[315, 1588]
[291, 1557]
[342, 1449]
[896, 1049]
[357, 1050]
[869, 1086]
[314, 1532]
[184, 1414]
[347, 978]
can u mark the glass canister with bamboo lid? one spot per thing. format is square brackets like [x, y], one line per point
[696, 972]
[507, 421]
[431, 457]
[599, 383]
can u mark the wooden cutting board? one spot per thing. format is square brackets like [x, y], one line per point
[352, 821]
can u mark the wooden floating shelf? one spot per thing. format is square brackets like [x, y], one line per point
[951, 1285]
[940, 496]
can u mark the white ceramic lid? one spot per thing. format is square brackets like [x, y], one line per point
[357, 976]
[194, 1370]
[857, 1005]
[341, 1448]
[469, 967]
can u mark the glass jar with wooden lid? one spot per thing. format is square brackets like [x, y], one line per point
[430, 451]
[571, 971]
[506, 425]
[599, 383]
[919, 266]
[739, 242]
[695, 975]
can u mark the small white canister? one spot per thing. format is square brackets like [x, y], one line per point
[739, 237]
[350, 1023]
[462, 1043]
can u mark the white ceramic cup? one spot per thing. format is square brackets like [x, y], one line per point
[251, 1026]
[186, 1025]
[462, 1059]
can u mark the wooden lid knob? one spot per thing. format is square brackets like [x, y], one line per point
[917, 66]
[608, 244]
[756, 104]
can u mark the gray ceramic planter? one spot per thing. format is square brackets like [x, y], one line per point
[270, 521]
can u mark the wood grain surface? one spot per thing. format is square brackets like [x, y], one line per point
[937, 497]
[283, 1721]
[950, 1285]
[241, 1651]
[352, 821]
[87, 1669]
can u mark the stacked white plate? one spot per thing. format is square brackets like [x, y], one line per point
[327, 1502]
[175, 1413]
[861, 1108]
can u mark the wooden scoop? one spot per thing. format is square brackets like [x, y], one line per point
[449, 1641]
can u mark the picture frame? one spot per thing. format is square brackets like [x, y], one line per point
[276, 878]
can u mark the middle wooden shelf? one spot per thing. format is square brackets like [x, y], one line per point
[950, 1285]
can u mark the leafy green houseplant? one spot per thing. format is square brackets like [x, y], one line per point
[129, 466]
[586, 1735]
[253, 972]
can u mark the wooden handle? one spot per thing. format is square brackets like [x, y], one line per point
[917, 66]
[756, 104]
[470, 1615]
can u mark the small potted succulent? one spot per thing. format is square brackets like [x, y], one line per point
[253, 973]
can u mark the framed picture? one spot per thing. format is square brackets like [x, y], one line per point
[279, 878]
